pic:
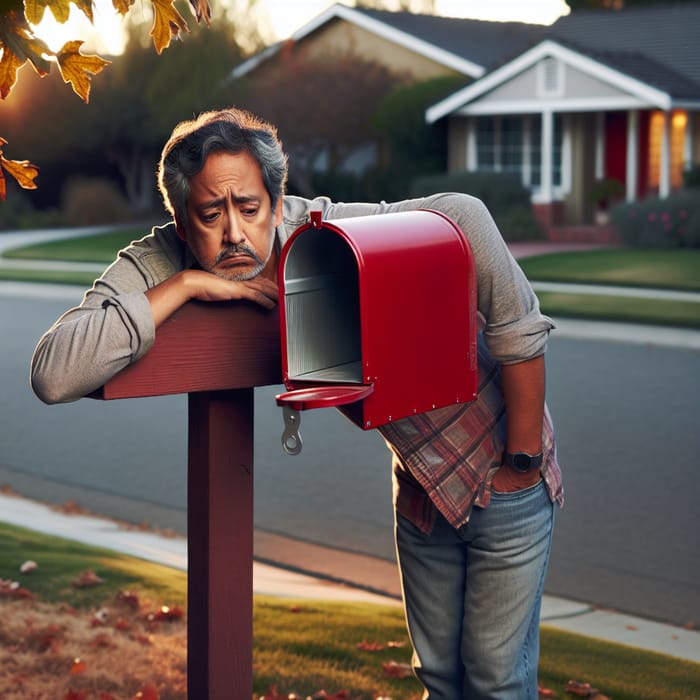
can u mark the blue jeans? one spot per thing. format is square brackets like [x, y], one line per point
[472, 598]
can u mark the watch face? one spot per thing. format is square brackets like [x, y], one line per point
[521, 462]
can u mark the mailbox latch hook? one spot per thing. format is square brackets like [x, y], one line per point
[291, 440]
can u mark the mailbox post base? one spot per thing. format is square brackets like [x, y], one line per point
[220, 545]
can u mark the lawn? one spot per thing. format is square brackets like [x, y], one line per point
[629, 267]
[661, 268]
[100, 248]
[127, 635]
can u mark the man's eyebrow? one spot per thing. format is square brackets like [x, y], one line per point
[241, 199]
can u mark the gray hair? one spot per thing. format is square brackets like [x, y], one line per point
[228, 130]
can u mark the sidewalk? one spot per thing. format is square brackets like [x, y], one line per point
[334, 571]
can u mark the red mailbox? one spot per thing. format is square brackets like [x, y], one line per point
[378, 318]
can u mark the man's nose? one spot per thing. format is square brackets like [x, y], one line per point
[233, 231]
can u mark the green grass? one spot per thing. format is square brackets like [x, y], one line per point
[303, 646]
[661, 312]
[631, 267]
[82, 279]
[100, 248]
[61, 561]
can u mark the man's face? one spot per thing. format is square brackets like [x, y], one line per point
[231, 227]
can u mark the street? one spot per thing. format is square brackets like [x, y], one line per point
[626, 421]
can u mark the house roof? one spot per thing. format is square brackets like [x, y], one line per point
[649, 51]
[653, 45]
[665, 33]
[469, 46]
[484, 43]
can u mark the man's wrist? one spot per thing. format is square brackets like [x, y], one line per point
[522, 462]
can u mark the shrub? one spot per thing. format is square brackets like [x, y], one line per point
[691, 177]
[503, 194]
[90, 201]
[18, 213]
[673, 222]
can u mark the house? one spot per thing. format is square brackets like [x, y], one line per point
[596, 96]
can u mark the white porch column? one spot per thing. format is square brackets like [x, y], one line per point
[665, 158]
[472, 154]
[546, 156]
[632, 155]
[599, 145]
[688, 142]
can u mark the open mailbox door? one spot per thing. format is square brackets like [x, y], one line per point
[378, 318]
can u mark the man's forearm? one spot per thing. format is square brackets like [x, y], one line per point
[524, 393]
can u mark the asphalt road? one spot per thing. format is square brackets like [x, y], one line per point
[626, 419]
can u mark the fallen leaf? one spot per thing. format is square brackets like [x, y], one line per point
[100, 617]
[129, 599]
[369, 646]
[75, 695]
[395, 645]
[28, 567]
[167, 614]
[393, 669]
[148, 692]
[545, 692]
[78, 667]
[12, 589]
[101, 641]
[87, 578]
[583, 690]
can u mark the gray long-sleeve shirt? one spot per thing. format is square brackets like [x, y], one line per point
[113, 326]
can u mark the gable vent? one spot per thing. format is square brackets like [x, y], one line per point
[551, 77]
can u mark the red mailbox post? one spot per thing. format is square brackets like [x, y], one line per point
[216, 353]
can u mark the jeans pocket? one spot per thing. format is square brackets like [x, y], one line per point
[520, 493]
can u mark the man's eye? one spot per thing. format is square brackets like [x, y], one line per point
[210, 216]
[249, 211]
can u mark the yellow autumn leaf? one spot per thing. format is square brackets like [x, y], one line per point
[9, 65]
[34, 10]
[85, 6]
[122, 6]
[77, 69]
[167, 22]
[202, 10]
[22, 170]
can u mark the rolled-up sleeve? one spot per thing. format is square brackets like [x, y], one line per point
[92, 342]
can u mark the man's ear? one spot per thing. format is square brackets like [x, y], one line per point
[181, 230]
[279, 209]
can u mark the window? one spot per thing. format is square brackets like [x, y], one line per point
[514, 145]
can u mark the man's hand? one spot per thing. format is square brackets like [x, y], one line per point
[168, 296]
[206, 286]
[507, 480]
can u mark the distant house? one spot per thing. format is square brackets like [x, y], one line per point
[598, 95]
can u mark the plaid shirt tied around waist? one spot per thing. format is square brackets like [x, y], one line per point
[444, 459]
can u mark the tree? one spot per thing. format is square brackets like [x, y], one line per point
[20, 46]
[323, 106]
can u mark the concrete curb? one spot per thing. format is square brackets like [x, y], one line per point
[334, 581]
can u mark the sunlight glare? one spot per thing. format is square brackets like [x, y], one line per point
[105, 36]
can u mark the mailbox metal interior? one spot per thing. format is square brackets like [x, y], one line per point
[378, 316]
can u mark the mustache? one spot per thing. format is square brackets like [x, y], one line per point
[237, 249]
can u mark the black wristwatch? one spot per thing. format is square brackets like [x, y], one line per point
[522, 461]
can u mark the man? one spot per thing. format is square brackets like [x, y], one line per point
[474, 485]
